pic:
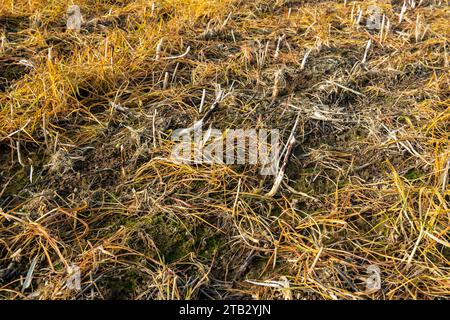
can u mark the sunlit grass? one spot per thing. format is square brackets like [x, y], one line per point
[85, 129]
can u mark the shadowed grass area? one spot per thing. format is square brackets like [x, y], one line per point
[86, 123]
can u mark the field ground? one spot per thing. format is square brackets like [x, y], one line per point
[85, 138]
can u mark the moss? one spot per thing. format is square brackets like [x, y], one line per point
[413, 174]
[319, 186]
[123, 286]
[22, 178]
[171, 238]
[210, 245]
[18, 183]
